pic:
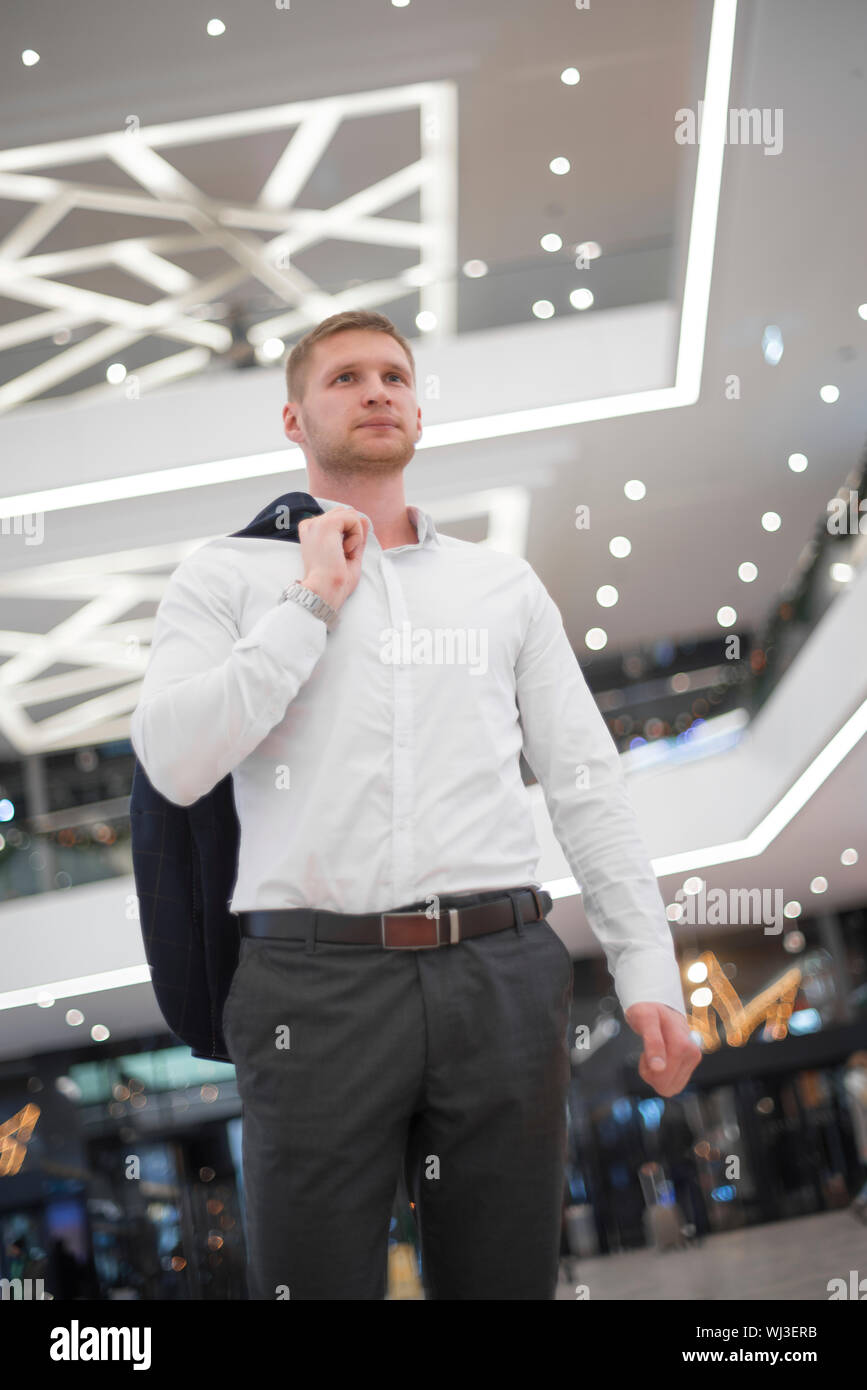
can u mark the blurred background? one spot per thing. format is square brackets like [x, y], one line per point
[626, 242]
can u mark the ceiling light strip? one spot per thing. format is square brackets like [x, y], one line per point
[80, 984]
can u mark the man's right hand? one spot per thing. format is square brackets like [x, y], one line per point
[332, 546]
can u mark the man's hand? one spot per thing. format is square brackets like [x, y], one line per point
[670, 1055]
[331, 548]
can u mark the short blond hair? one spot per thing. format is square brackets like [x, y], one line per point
[298, 361]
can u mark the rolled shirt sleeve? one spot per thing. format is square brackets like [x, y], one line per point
[572, 754]
[209, 696]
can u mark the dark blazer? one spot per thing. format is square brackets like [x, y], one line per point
[185, 863]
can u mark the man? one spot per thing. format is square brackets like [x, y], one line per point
[400, 995]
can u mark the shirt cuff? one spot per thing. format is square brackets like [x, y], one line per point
[287, 632]
[649, 978]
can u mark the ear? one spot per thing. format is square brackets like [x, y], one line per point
[292, 427]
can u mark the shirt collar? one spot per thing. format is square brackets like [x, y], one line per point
[421, 520]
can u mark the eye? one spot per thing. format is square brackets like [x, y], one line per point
[399, 376]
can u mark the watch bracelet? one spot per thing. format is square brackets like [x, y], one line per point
[320, 609]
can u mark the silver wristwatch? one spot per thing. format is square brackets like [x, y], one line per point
[312, 602]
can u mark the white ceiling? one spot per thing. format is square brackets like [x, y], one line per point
[514, 114]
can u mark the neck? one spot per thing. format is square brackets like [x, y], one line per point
[380, 499]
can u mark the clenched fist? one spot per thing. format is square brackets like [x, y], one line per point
[332, 546]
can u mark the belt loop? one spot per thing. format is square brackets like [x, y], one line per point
[519, 921]
[310, 947]
[540, 906]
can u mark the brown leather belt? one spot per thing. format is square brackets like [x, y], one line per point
[409, 929]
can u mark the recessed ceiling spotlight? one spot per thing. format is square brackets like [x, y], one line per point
[595, 638]
[747, 571]
[794, 941]
[425, 321]
[726, 616]
[634, 489]
[560, 165]
[543, 309]
[271, 349]
[772, 344]
[607, 596]
[619, 547]
[215, 27]
[771, 521]
[588, 251]
[829, 394]
[797, 462]
[841, 573]
[571, 76]
[475, 269]
[551, 241]
[581, 299]
[29, 57]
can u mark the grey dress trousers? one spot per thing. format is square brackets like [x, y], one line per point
[353, 1059]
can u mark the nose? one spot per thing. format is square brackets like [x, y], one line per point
[377, 391]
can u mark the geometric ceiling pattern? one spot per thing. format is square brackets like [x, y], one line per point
[76, 682]
[258, 237]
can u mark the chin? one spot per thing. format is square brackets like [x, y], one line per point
[382, 462]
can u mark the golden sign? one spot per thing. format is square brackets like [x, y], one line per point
[772, 1005]
[14, 1134]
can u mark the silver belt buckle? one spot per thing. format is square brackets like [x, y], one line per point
[454, 929]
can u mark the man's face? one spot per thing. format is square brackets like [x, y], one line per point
[354, 378]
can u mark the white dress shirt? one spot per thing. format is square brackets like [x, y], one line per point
[377, 764]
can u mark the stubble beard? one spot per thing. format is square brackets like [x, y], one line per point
[340, 459]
